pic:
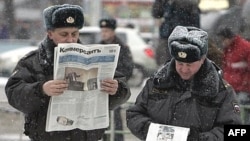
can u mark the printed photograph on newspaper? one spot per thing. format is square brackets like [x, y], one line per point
[160, 132]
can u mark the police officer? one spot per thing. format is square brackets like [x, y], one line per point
[31, 86]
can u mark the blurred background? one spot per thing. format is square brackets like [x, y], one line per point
[27, 14]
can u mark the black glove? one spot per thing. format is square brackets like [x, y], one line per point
[203, 137]
[194, 134]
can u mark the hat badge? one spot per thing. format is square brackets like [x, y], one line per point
[70, 20]
[182, 54]
[104, 23]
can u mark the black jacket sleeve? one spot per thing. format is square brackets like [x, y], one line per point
[123, 93]
[125, 63]
[138, 120]
[228, 114]
[23, 91]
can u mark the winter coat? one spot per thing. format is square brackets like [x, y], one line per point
[204, 104]
[236, 64]
[24, 92]
[176, 12]
[125, 63]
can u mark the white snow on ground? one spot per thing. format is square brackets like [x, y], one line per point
[13, 137]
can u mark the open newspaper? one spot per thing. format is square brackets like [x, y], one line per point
[160, 132]
[83, 105]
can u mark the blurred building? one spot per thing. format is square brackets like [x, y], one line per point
[136, 12]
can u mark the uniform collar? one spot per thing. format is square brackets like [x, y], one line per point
[205, 82]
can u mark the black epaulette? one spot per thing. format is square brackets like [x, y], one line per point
[226, 84]
[31, 53]
[218, 69]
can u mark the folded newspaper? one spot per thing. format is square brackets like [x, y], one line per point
[160, 132]
[83, 105]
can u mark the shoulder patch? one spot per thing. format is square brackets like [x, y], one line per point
[236, 107]
[31, 53]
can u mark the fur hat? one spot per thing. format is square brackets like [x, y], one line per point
[65, 15]
[107, 23]
[188, 44]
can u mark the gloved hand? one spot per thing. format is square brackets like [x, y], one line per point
[203, 137]
[196, 135]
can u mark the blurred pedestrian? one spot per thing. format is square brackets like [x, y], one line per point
[31, 85]
[4, 32]
[188, 92]
[171, 13]
[108, 36]
[125, 63]
[232, 18]
[236, 65]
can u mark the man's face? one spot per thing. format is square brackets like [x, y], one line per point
[188, 70]
[160, 138]
[64, 35]
[62, 120]
[226, 42]
[107, 34]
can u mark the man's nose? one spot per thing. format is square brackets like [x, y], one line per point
[184, 69]
[70, 39]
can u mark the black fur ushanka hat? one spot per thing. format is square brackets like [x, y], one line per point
[65, 15]
[188, 44]
[107, 23]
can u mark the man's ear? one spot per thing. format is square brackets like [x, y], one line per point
[203, 58]
[49, 33]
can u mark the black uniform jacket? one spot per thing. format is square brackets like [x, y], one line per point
[24, 92]
[204, 104]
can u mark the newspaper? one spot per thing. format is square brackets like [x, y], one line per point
[83, 105]
[160, 132]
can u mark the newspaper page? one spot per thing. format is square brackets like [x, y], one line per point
[160, 132]
[83, 105]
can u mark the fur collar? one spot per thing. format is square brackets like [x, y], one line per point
[46, 54]
[205, 83]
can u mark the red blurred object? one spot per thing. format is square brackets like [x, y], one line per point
[149, 52]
